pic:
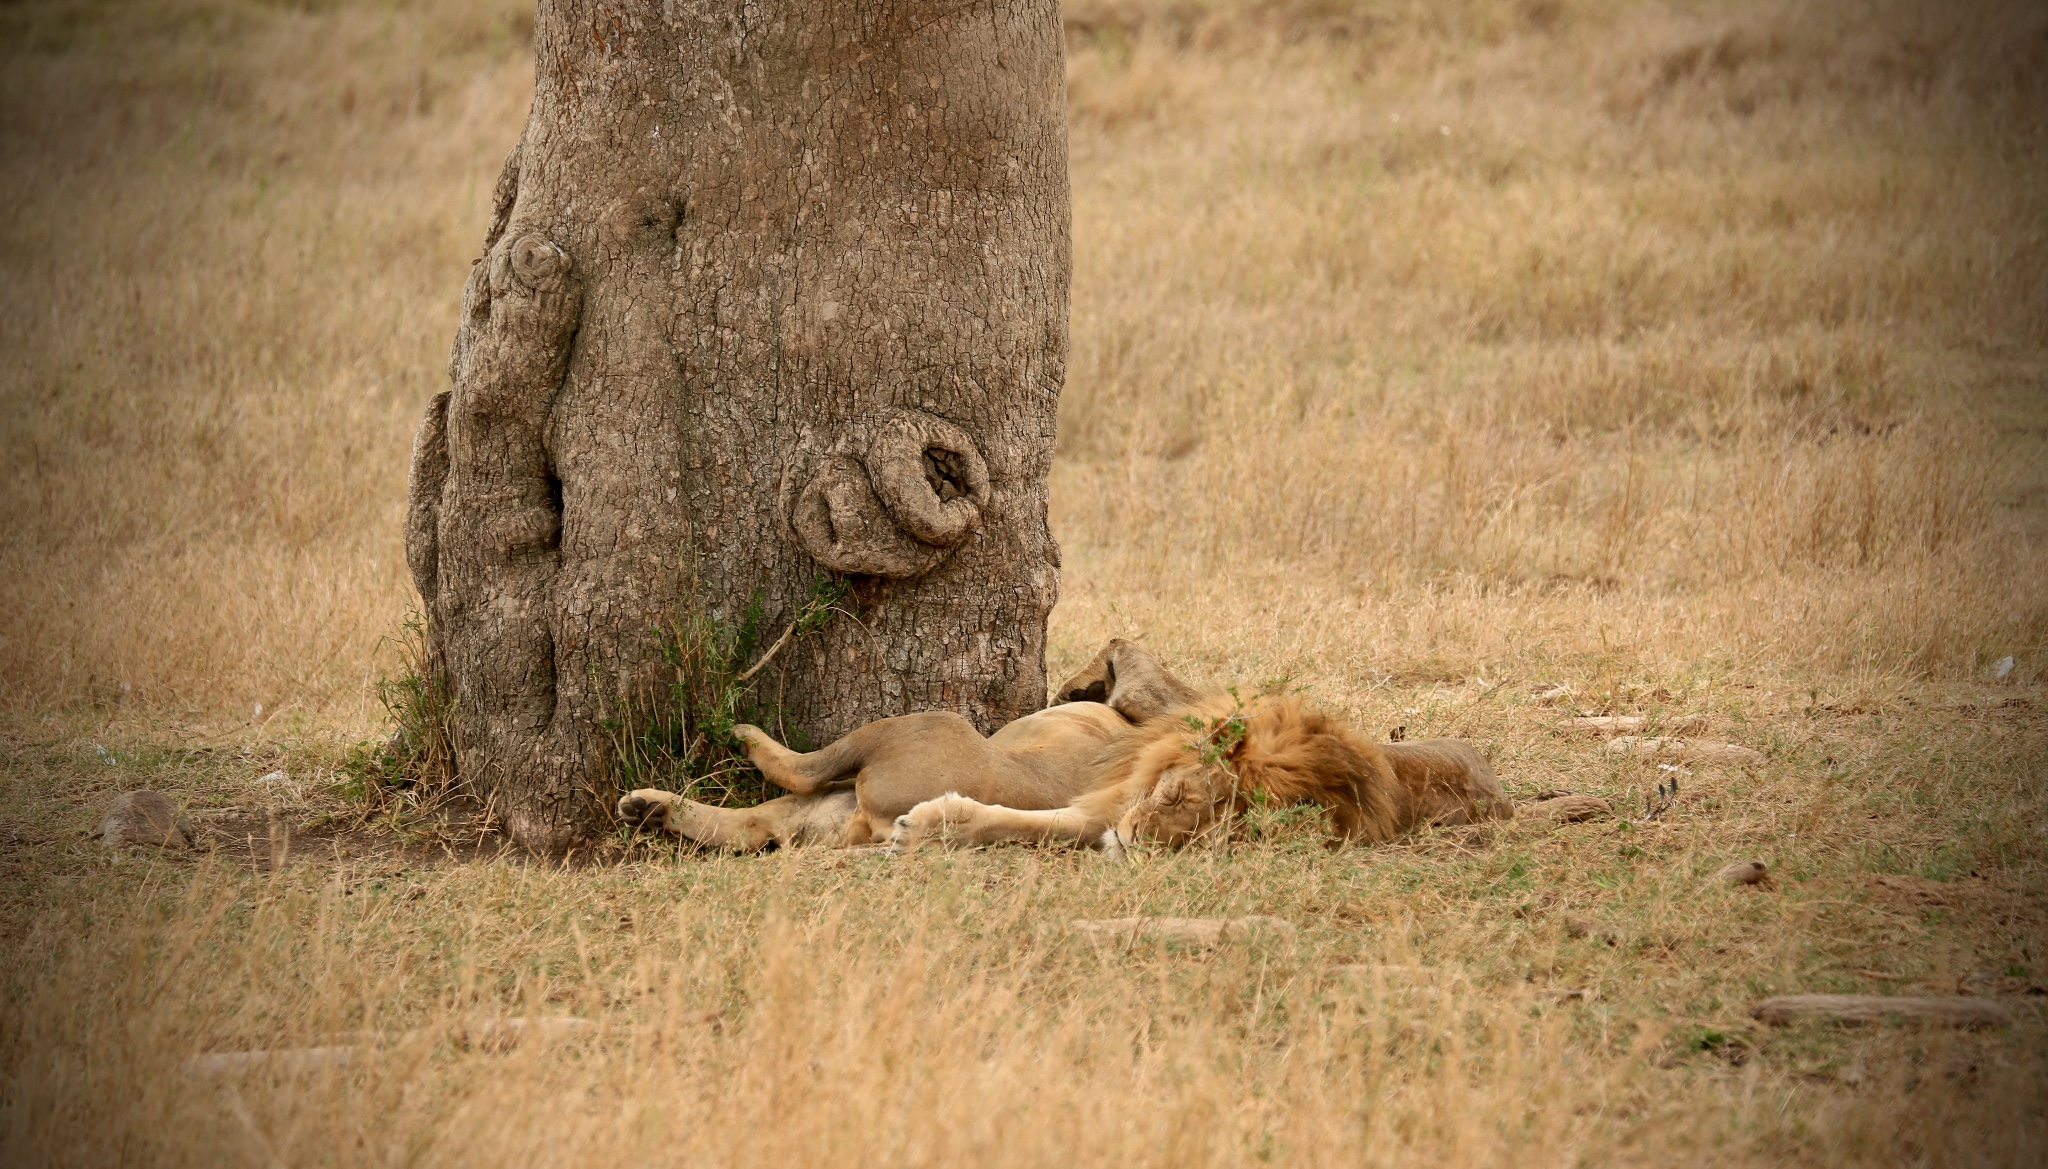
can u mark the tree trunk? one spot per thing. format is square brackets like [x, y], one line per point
[770, 288]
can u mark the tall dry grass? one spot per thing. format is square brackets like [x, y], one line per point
[1426, 355]
[820, 1009]
[233, 230]
[1581, 307]
[1606, 313]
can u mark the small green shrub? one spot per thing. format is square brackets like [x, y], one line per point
[683, 741]
[417, 762]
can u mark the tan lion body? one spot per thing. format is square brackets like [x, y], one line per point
[851, 792]
[1110, 764]
[1156, 786]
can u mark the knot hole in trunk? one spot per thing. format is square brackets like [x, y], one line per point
[893, 497]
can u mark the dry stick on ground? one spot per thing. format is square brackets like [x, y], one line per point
[485, 1034]
[1961, 1011]
[1199, 931]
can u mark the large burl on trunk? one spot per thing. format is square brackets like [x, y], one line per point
[770, 288]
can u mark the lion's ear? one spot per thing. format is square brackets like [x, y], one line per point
[1095, 691]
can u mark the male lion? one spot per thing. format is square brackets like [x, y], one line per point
[1127, 753]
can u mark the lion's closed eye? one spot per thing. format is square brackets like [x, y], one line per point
[1169, 791]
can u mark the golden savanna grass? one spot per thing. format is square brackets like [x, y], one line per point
[1432, 357]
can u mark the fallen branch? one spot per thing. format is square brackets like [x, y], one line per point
[1688, 750]
[1198, 931]
[1614, 724]
[483, 1034]
[1960, 1011]
[1601, 724]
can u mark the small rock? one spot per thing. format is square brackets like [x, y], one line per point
[283, 786]
[1689, 725]
[1579, 927]
[1566, 808]
[144, 817]
[2004, 667]
[1960, 1011]
[1746, 873]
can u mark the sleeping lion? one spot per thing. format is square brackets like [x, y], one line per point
[1127, 754]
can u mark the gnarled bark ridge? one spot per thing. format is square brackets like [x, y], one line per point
[769, 289]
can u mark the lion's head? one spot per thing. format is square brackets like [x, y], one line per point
[1284, 751]
[1189, 802]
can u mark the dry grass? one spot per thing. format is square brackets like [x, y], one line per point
[1631, 307]
[233, 229]
[1428, 355]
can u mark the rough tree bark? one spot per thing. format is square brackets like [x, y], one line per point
[769, 287]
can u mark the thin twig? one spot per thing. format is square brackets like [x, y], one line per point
[772, 651]
[809, 610]
[850, 615]
[1469, 704]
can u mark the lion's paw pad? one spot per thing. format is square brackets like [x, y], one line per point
[637, 811]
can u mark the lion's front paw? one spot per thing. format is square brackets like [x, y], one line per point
[645, 809]
[948, 819]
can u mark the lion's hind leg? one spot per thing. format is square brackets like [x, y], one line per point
[804, 772]
[792, 771]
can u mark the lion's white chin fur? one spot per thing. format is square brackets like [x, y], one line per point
[1111, 844]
